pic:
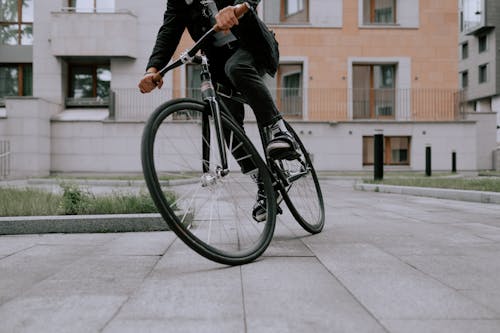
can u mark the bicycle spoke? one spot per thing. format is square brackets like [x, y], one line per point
[210, 211]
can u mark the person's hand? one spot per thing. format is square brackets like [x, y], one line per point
[226, 19]
[150, 81]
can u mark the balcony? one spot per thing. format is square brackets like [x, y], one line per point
[325, 104]
[93, 34]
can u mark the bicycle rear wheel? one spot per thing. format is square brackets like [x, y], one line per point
[209, 211]
[302, 192]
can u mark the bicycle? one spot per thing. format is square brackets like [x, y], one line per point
[199, 188]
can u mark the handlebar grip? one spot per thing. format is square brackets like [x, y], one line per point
[239, 11]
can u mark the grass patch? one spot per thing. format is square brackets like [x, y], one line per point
[28, 202]
[72, 201]
[458, 183]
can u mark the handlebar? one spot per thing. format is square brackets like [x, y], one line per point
[239, 11]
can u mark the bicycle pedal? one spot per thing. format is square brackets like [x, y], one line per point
[285, 155]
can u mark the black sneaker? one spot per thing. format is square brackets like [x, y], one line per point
[282, 147]
[259, 211]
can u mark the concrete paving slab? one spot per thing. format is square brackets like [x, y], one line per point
[199, 296]
[463, 272]
[485, 296]
[139, 244]
[440, 326]
[392, 289]
[289, 295]
[385, 262]
[58, 314]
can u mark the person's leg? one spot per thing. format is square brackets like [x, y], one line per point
[241, 70]
[237, 112]
[243, 73]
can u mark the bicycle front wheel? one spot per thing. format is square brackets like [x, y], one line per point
[302, 192]
[209, 210]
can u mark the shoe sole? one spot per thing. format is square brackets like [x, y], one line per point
[262, 217]
[283, 154]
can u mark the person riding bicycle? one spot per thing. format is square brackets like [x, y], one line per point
[235, 62]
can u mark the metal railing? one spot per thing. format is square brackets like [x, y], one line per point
[4, 159]
[323, 104]
[90, 10]
[87, 101]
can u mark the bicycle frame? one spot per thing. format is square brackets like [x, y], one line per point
[209, 96]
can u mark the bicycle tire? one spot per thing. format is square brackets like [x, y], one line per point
[302, 196]
[210, 213]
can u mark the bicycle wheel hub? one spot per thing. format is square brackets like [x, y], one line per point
[208, 179]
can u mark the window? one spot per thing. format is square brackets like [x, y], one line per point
[465, 79]
[379, 11]
[290, 92]
[293, 7]
[89, 84]
[483, 73]
[465, 50]
[15, 80]
[471, 15]
[482, 42]
[287, 12]
[374, 92]
[396, 150]
[16, 22]
[89, 6]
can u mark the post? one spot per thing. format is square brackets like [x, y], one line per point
[428, 171]
[454, 162]
[378, 155]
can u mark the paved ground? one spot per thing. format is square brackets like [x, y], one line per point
[384, 263]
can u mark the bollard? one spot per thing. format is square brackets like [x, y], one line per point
[428, 171]
[378, 155]
[454, 162]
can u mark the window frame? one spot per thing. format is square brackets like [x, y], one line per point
[464, 79]
[192, 74]
[376, 96]
[483, 73]
[299, 17]
[482, 43]
[94, 100]
[465, 50]
[282, 96]
[368, 142]
[94, 9]
[370, 19]
[20, 24]
[22, 80]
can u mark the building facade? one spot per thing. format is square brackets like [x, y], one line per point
[479, 67]
[69, 69]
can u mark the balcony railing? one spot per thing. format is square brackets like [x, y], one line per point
[87, 102]
[324, 104]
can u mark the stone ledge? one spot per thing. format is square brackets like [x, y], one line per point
[440, 193]
[81, 224]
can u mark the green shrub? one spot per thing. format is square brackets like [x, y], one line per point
[74, 201]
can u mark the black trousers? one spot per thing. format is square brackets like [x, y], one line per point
[236, 69]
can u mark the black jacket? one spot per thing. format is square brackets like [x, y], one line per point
[177, 17]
